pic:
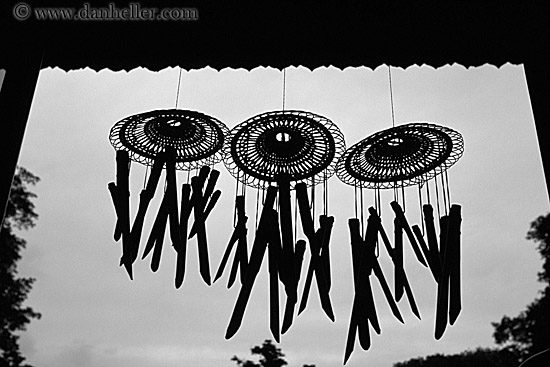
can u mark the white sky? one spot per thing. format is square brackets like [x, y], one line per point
[93, 315]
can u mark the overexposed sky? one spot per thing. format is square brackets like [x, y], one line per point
[93, 315]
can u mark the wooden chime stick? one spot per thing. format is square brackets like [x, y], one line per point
[405, 225]
[171, 192]
[210, 185]
[427, 209]
[322, 274]
[123, 201]
[208, 201]
[238, 232]
[398, 251]
[274, 257]
[196, 199]
[239, 266]
[181, 248]
[286, 268]
[240, 260]
[317, 240]
[114, 197]
[242, 249]
[157, 232]
[420, 238]
[303, 205]
[386, 289]
[455, 303]
[443, 284]
[200, 179]
[256, 257]
[363, 309]
[355, 238]
[371, 236]
[145, 198]
[369, 258]
[325, 252]
[207, 210]
[401, 270]
[298, 261]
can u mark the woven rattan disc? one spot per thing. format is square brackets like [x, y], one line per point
[198, 139]
[404, 155]
[301, 145]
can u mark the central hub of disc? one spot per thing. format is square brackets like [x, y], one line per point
[283, 143]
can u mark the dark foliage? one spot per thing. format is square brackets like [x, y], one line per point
[520, 336]
[14, 316]
[481, 357]
[529, 332]
[270, 356]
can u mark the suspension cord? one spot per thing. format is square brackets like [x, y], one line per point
[295, 215]
[428, 191]
[145, 176]
[421, 210]
[444, 193]
[257, 203]
[437, 195]
[403, 196]
[448, 191]
[362, 219]
[178, 92]
[356, 198]
[313, 198]
[391, 98]
[284, 88]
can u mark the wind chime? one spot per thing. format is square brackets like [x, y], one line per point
[172, 139]
[402, 156]
[275, 153]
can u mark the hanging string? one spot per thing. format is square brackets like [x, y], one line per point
[448, 191]
[361, 207]
[356, 198]
[375, 202]
[428, 191]
[326, 178]
[295, 216]
[391, 98]
[178, 92]
[236, 194]
[325, 195]
[284, 87]
[257, 207]
[145, 176]
[312, 206]
[403, 196]
[379, 203]
[444, 193]
[437, 195]
[420, 202]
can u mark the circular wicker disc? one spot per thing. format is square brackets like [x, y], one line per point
[301, 145]
[404, 155]
[198, 139]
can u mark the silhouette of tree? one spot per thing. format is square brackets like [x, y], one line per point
[529, 332]
[520, 336]
[14, 317]
[481, 357]
[270, 356]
